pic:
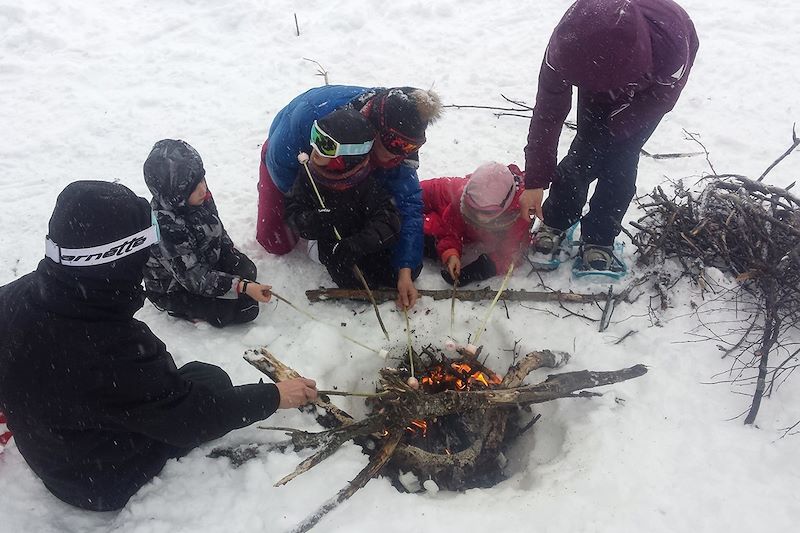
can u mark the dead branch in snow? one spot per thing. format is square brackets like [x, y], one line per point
[475, 295]
[743, 227]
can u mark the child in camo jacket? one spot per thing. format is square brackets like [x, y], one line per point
[195, 272]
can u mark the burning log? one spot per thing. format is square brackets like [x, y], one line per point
[453, 429]
[387, 295]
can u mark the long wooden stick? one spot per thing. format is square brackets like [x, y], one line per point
[482, 327]
[408, 340]
[371, 470]
[350, 393]
[315, 319]
[363, 280]
[510, 295]
[356, 270]
[453, 307]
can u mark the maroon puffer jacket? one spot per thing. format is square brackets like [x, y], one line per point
[631, 56]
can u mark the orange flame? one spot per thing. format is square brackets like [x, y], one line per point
[481, 377]
[453, 375]
[418, 425]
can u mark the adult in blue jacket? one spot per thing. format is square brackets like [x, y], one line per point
[400, 116]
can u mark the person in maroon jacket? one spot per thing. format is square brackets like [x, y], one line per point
[630, 60]
[480, 209]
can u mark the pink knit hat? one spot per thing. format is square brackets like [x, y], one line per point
[489, 192]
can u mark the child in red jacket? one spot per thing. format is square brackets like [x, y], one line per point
[480, 209]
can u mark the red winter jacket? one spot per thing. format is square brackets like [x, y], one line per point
[441, 198]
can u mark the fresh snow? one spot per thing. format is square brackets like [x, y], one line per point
[88, 87]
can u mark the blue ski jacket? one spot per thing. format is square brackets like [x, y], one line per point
[289, 135]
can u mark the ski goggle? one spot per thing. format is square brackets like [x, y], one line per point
[327, 146]
[394, 141]
[398, 144]
[104, 253]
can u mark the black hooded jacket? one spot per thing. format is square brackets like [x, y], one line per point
[94, 399]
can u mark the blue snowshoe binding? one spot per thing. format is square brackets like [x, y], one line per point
[549, 248]
[601, 262]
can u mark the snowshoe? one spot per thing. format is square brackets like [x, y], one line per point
[600, 262]
[557, 248]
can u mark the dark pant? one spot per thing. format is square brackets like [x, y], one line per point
[218, 312]
[377, 269]
[595, 155]
[429, 247]
[201, 375]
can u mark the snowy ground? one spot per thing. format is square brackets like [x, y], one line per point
[88, 87]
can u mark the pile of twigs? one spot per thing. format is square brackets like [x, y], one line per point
[736, 224]
[743, 227]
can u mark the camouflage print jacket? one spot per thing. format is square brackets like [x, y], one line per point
[192, 237]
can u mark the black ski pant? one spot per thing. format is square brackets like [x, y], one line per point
[377, 269]
[218, 312]
[153, 460]
[201, 375]
[595, 155]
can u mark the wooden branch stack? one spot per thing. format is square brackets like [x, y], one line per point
[490, 417]
[741, 226]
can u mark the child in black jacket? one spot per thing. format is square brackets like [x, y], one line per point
[359, 223]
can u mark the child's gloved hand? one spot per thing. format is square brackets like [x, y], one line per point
[324, 219]
[480, 269]
[344, 254]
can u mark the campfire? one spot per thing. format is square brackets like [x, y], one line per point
[444, 436]
[450, 374]
[449, 427]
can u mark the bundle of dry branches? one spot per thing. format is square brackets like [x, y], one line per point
[743, 227]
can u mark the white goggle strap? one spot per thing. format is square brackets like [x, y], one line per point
[105, 253]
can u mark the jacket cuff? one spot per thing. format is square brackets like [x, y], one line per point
[231, 293]
[536, 182]
[447, 254]
[261, 400]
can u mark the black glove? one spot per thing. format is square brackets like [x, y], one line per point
[314, 224]
[480, 269]
[324, 219]
[343, 255]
